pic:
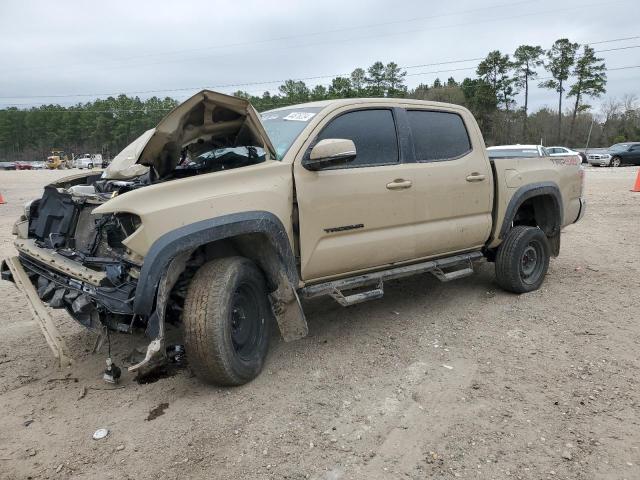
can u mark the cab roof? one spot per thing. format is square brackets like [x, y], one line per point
[355, 101]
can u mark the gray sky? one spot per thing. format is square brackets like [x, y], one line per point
[78, 47]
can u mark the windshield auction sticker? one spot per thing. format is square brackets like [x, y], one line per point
[299, 116]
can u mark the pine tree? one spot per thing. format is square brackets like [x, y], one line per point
[394, 78]
[591, 81]
[358, 81]
[495, 70]
[376, 80]
[560, 59]
[526, 59]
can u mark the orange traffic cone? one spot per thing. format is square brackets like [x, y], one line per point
[636, 187]
[2, 199]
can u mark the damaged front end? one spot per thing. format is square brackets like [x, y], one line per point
[76, 260]
[81, 258]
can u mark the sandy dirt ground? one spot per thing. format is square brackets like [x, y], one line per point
[457, 380]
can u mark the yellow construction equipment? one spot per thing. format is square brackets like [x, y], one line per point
[58, 160]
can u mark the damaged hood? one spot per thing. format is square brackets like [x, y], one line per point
[125, 164]
[204, 116]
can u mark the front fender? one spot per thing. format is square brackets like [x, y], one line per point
[189, 237]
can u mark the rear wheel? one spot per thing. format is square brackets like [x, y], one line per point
[616, 162]
[227, 320]
[522, 260]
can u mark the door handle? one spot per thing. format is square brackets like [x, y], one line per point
[475, 177]
[399, 184]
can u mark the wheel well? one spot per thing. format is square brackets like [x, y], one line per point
[257, 247]
[541, 211]
[254, 246]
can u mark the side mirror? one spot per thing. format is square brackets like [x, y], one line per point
[328, 152]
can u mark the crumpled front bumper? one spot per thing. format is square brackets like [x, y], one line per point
[11, 269]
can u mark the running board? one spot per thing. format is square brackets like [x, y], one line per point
[359, 297]
[445, 269]
[453, 274]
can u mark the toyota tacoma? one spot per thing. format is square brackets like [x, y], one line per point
[221, 219]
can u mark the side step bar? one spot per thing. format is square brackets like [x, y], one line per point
[445, 269]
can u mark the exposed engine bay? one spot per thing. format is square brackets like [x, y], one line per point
[208, 133]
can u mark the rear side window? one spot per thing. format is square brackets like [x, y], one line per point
[438, 135]
[373, 132]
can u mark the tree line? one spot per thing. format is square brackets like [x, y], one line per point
[103, 126]
[498, 95]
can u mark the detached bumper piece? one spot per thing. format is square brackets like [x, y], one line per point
[11, 269]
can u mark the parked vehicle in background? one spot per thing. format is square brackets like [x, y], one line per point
[37, 165]
[564, 151]
[220, 219]
[7, 166]
[600, 158]
[88, 160]
[23, 166]
[624, 153]
[515, 151]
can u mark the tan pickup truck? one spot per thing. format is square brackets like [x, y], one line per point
[221, 219]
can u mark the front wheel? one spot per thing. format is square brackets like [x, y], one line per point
[522, 260]
[227, 321]
[616, 162]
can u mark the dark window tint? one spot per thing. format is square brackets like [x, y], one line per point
[373, 132]
[438, 135]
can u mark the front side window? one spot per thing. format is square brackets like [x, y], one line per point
[438, 135]
[372, 131]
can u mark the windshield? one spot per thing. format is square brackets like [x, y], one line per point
[619, 147]
[513, 152]
[283, 126]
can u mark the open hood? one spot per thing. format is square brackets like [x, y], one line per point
[205, 116]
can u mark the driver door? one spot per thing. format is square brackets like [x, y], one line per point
[358, 215]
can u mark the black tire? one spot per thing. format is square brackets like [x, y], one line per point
[227, 321]
[615, 162]
[522, 260]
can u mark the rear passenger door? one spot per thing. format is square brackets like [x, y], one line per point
[452, 181]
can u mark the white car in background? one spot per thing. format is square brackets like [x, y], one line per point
[564, 151]
[515, 151]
